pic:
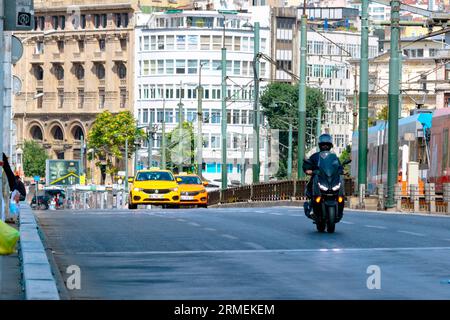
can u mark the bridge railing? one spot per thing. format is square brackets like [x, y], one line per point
[268, 191]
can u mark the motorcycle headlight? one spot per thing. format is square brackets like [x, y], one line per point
[138, 189]
[322, 187]
[336, 187]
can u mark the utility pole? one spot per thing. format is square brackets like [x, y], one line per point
[224, 112]
[82, 155]
[243, 143]
[150, 145]
[302, 94]
[363, 101]
[163, 138]
[355, 100]
[180, 133]
[126, 165]
[199, 122]
[256, 119]
[394, 90]
[319, 125]
[289, 166]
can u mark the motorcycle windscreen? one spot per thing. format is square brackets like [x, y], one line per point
[329, 163]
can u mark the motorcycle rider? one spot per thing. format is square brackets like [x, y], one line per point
[325, 144]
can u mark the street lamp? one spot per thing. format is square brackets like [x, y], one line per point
[199, 121]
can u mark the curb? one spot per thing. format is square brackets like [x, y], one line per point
[258, 204]
[38, 280]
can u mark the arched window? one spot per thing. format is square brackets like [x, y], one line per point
[39, 73]
[77, 133]
[59, 72]
[100, 71]
[79, 72]
[122, 71]
[57, 133]
[36, 133]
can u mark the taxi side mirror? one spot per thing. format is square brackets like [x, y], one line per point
[130, 180]
[179, 180]
[205, 183]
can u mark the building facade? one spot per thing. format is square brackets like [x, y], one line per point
[77, 62]
[171, 49]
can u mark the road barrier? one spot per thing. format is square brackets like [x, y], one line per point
[84, 200]
[415, 201]
[37, 277]
[268, 191]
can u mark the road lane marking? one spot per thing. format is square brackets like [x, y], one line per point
[328, 250]
[412, 233]
[210, 229]
[347, 222]
[228, 236]
[375, 227]
[193, 224]
[275, 213]
[181, 220]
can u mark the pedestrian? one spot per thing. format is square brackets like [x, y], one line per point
[16, 186]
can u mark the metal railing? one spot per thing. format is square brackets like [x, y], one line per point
[268, 191]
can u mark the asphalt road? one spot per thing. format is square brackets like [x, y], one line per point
[251, 253]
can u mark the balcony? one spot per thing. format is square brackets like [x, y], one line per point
[99, 56]
[123, 82]
[60, 83]
[78, 57]
[119, 56]
[37, 58]
[40, 83]
[101, 82]
[58, 57]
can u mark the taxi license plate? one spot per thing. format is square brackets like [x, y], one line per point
[156, 196]
[187, 198]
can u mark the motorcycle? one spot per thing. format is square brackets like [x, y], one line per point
[327, 198]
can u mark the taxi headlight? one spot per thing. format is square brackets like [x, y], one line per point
[174, 189]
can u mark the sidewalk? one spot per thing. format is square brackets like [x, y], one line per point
[10, 288]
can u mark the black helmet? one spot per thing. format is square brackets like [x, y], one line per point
[325, 142]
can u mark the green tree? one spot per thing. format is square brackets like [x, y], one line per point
[346, 155]
[108, 135]
[34, 156]
[280, 113]
[382, 114]
[181, 148]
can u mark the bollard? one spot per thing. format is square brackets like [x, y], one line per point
[380, 188]
[362, 195]
[398, 196]
[414, 196]
[430, 196]
[446, 195]
[109, 200]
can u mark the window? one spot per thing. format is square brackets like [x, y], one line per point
[170, 42]
[101, 98]
[145, 116]
[244, 117]
[101, 44]
[118, 18]
[146, 43]
[39, 47]
[146, 70]
[205, 42]
[83, 21]
[152, 66]
[80, 98]
[125, 20]
[229, 116]
[60, 98]
[237, 43]
[160, 42]
[123, 98]
[153, 43]
[217, 42]
[236, 116]
[57, 133]
[42, 23]
[229, 43]
[206, 116]
[104, 20]
[123, 44]
[181, 66]
[39, 73]
[62, 20]
[60, 45]
[215, 115]
[160, 66]
[236, 67]
[192, 66]
[81, 46]
[122, 71]
[55, 22]
[100, 71]
[79, 72]
[59, 72]
[215, 141]
[96, 21]
[191, 115]
[169, 66]
[39, 100]
[193, 42]
[181, 42]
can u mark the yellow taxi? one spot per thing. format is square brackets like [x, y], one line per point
[192, 190]
[154, 186]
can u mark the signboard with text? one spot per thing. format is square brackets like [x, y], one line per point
[19, 15]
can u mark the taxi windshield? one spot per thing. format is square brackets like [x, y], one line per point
[157, 175]
[189, 180]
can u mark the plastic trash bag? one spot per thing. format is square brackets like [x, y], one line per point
[8, 239]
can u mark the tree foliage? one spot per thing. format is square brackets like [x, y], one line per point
[180, 148]
[108, 135]
[34, 156]
[346, 155]
[280, 105]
